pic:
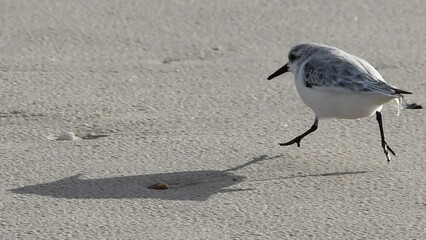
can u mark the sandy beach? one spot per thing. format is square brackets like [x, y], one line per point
[175, 92]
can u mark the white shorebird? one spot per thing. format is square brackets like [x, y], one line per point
[336, 84]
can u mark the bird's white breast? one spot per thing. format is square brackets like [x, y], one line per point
[339, 103]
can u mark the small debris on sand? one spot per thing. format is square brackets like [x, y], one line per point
[159, 186]
[64, 136]
[413, 106]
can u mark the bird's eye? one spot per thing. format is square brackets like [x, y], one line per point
[291, 57]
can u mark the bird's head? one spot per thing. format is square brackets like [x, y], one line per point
[296, 56]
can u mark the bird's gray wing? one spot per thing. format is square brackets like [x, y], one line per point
[345, 73]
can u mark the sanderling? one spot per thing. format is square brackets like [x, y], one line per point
[336, 84]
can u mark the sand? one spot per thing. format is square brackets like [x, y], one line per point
[175, 92]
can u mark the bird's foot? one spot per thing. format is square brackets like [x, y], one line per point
[296, 140]
[387, 149]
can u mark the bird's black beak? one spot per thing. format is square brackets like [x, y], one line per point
[280, 71]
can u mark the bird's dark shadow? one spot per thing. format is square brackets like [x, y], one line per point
[188, 185]
[312, 175]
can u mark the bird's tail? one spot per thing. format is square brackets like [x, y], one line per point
[399, 100]
[400, 91]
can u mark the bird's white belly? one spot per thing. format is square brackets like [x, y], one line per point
[341, 104]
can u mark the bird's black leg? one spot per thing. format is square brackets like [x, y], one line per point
[385, 145]
[297, 139]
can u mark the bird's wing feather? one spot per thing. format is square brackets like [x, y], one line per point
[349, 73]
